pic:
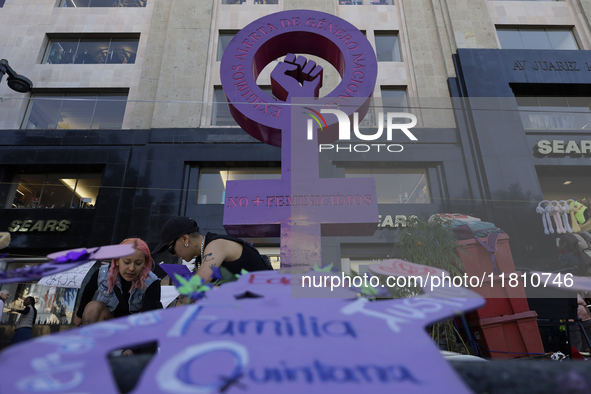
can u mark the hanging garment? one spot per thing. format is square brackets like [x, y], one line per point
[565, 208]
[545, 212]
[579, 211]
[573, 220]
[556, 215]
[587, 213]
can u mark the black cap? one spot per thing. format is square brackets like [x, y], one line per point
[173, 229]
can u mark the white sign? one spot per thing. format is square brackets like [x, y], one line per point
[345, 125]
[582, 147]
[168, 294]
[70, 278]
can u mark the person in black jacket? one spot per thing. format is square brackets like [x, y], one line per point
[181, 237]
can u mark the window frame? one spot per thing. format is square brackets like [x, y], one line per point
[63, 4]
[554, 114]
[273, 172]
[53, 95]
[366, 169]
[396, 50]
[111, 38]
[220, 50]
[531, 29]
[78, 176]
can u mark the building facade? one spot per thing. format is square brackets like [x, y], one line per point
[127, 124]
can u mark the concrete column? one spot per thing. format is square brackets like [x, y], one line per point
[176, 62]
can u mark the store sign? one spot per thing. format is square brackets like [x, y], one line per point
[301, 201]
[571, 147]
[393, 221]
[39, 225]
[551, 65]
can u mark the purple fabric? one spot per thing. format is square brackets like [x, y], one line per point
[70, 257]
[491, 246]
[180, 269]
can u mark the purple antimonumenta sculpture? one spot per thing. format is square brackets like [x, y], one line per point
[268, 342]
[300, 207]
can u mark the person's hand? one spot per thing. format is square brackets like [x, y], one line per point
[127, 352]
[77, 321]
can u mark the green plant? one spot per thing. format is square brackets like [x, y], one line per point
[433, 244]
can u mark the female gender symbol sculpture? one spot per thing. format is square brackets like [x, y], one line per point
[300, 207]
[298, 31]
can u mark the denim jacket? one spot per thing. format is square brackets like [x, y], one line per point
[136, 298]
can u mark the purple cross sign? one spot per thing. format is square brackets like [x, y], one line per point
[301, 206]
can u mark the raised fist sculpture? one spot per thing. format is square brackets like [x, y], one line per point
[296, 77]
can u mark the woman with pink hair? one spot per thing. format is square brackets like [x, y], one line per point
[125, 286]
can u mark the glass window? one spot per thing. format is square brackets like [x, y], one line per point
[76, 111]
[563, 182]
[233, 1]
[221, 110]
[212, 181]
[555, 113]
[382, 2]
[266, 1]
[55, 305]
[536, 38]
[394, 97]
[103, 3]
[510, 38]
[44, 112]
[122, 50]
[28, 191]
[562, 39]
[394, 100]
[387, 46]
[55, 191]
[109, 112]
[91, 50]
[396, 185]
[223, 40]
[350, 2]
